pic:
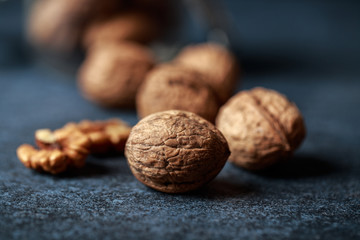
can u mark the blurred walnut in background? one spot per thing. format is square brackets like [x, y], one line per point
[174, 87]
[218, 64]
[131, 25]
[114, 35]
[57, 25]
[112, 73]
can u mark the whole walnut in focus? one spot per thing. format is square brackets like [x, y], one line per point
[261, 126]
[173, 87]
[136, 26]
[216, 63]
[111, 74]
[175, 151]
[57, 25]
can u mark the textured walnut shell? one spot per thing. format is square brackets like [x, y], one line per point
[261, 126]
[175, 151]
[111, 74]
[172, 87]
[131, 26]
[57, 25]
[216, 62]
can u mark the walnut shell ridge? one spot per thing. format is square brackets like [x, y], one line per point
[175, 151]
[112, 73]
[214, 61]
[174, 87]
[261, 126]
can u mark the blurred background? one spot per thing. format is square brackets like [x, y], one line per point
[268, 37]
[308, 50]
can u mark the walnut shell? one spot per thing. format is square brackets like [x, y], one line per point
[57, 25]
[216, 63]
[261, 126]
[175, 151]
[111, 74]
[172, 87]
[131, 26]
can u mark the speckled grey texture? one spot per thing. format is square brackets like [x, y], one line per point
[314, 196]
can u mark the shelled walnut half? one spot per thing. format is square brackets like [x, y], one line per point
[105, 136]
[69, 146]
[58, 150]
[57, 25]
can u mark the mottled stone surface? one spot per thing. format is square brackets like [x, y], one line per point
[314, 195]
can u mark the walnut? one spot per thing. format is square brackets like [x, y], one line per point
[262, 127]
[105, 136]
[175, 151]
[133, 25]
[173, 87]
[52, 161]
[216, 62]
[111, 74]
[59, 150]
[57, 25]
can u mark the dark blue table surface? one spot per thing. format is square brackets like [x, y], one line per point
[308, 50]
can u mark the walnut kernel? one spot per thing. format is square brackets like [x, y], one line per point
[59, 150]
[105, 136]
[53, 161]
